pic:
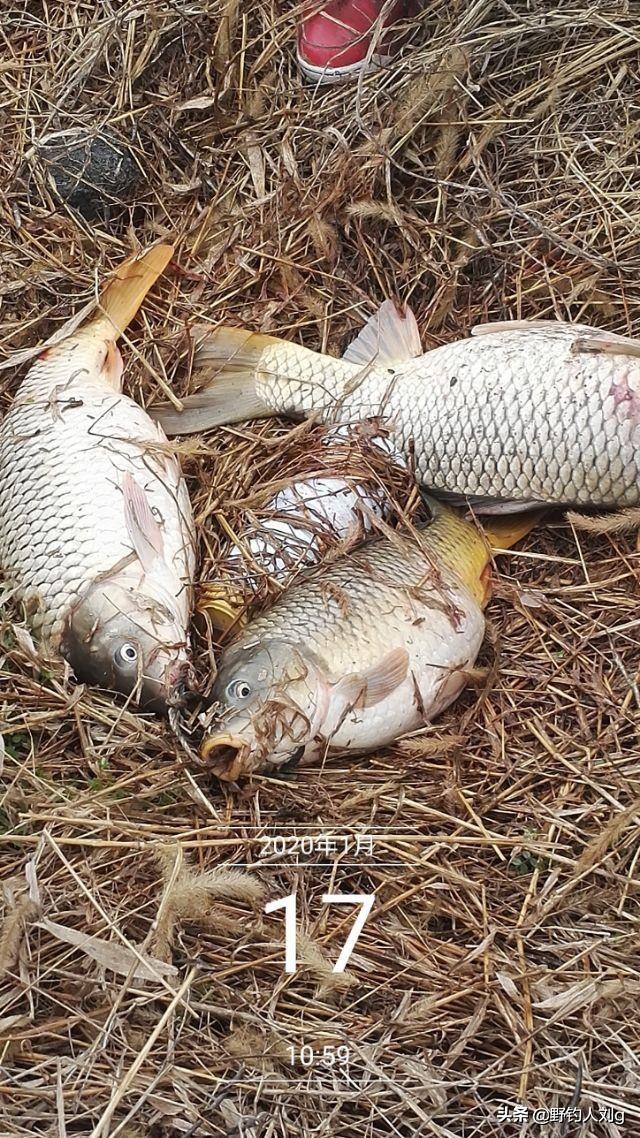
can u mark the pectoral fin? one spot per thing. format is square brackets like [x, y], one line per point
[143, 529]
[390, 336]
[367, 688]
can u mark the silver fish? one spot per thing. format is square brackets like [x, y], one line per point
[519, 415]
[312, 514]
[96, 530]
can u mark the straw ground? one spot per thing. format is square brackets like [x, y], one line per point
[492, 173]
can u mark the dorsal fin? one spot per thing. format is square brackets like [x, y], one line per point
[585, 338]
[552, 327]
[390, 336]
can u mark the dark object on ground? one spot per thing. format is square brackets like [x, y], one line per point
[90, 172]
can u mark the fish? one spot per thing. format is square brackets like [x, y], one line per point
[312, 514]
[357, 654]
[518, 415]
[97, 537]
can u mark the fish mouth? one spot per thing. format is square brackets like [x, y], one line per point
[182, 685]
[226, 756]
[176, 690]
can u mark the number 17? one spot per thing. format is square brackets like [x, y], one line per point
[366, 900]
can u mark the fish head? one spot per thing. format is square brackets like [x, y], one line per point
[127, 640]
[268, 703]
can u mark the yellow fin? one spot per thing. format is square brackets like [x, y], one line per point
[224, 606]
[226, 364]
[119, 303]
[465, 546]
[460, 545]
[502, 533]
[122, 297]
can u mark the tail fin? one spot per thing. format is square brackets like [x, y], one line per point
[119, 303]
[227, 360]
[502, 529]
[123, 296]
[461, 545]
[467, 547]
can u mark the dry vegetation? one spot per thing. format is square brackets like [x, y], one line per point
[492, 173]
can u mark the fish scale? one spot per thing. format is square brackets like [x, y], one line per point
[523, 415]
[363, 602]
[359, 654]
[96, 531]
[61, 524]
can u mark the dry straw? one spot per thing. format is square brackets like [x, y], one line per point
[491, 173]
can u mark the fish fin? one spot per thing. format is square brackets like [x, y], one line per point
[496, 508]
[366, 689]
[223, 605]
[231, 401]
[503, 533]
[229, 349]
[608, 342]
[585, 338]
[226, 361]
[481, 504]
[123, 295]
[143, 529]
[118, 303]
[389, 336]
[559, 327]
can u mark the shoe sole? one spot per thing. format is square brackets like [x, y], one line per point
[325, 75]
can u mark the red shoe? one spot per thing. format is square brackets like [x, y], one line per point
[348, 36]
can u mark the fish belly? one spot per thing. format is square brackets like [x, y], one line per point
[440, 652]
[62, 522]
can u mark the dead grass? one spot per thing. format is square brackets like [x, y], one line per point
[492, 173]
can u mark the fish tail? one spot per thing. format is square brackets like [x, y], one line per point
[227, 364]
[123, 296]
[248, 375]
[223, 605]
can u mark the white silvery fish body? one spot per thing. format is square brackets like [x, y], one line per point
[519, 415]
[305, 518]
[96, 530]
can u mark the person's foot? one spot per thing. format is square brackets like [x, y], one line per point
[348, 36]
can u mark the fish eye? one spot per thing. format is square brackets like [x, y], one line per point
[126, 655]
[239, 689]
